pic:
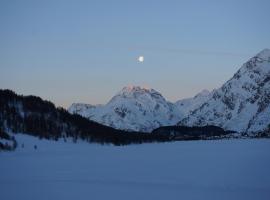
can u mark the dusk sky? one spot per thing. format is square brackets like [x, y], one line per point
[86, 51]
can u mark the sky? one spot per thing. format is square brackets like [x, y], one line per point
[86, 51]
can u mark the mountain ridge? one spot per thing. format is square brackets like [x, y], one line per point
[144, 109]
[242, 103]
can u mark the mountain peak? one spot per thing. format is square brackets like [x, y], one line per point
[131, 90]
[204, 92]
[264, 54]
[258, 65]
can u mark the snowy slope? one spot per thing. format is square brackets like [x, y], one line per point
[83, 109]
[242, 103]
[194, 170]
[186, 105]
[133, 108]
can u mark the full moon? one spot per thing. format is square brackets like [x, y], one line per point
[141, 59]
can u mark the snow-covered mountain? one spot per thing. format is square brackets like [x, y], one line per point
[186, 105]
[242, 103]
[133, 108]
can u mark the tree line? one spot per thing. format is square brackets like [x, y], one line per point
[37, 117]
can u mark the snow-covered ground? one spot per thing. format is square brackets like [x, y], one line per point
[222, 169]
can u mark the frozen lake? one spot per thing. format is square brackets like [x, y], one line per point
[222, 169]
